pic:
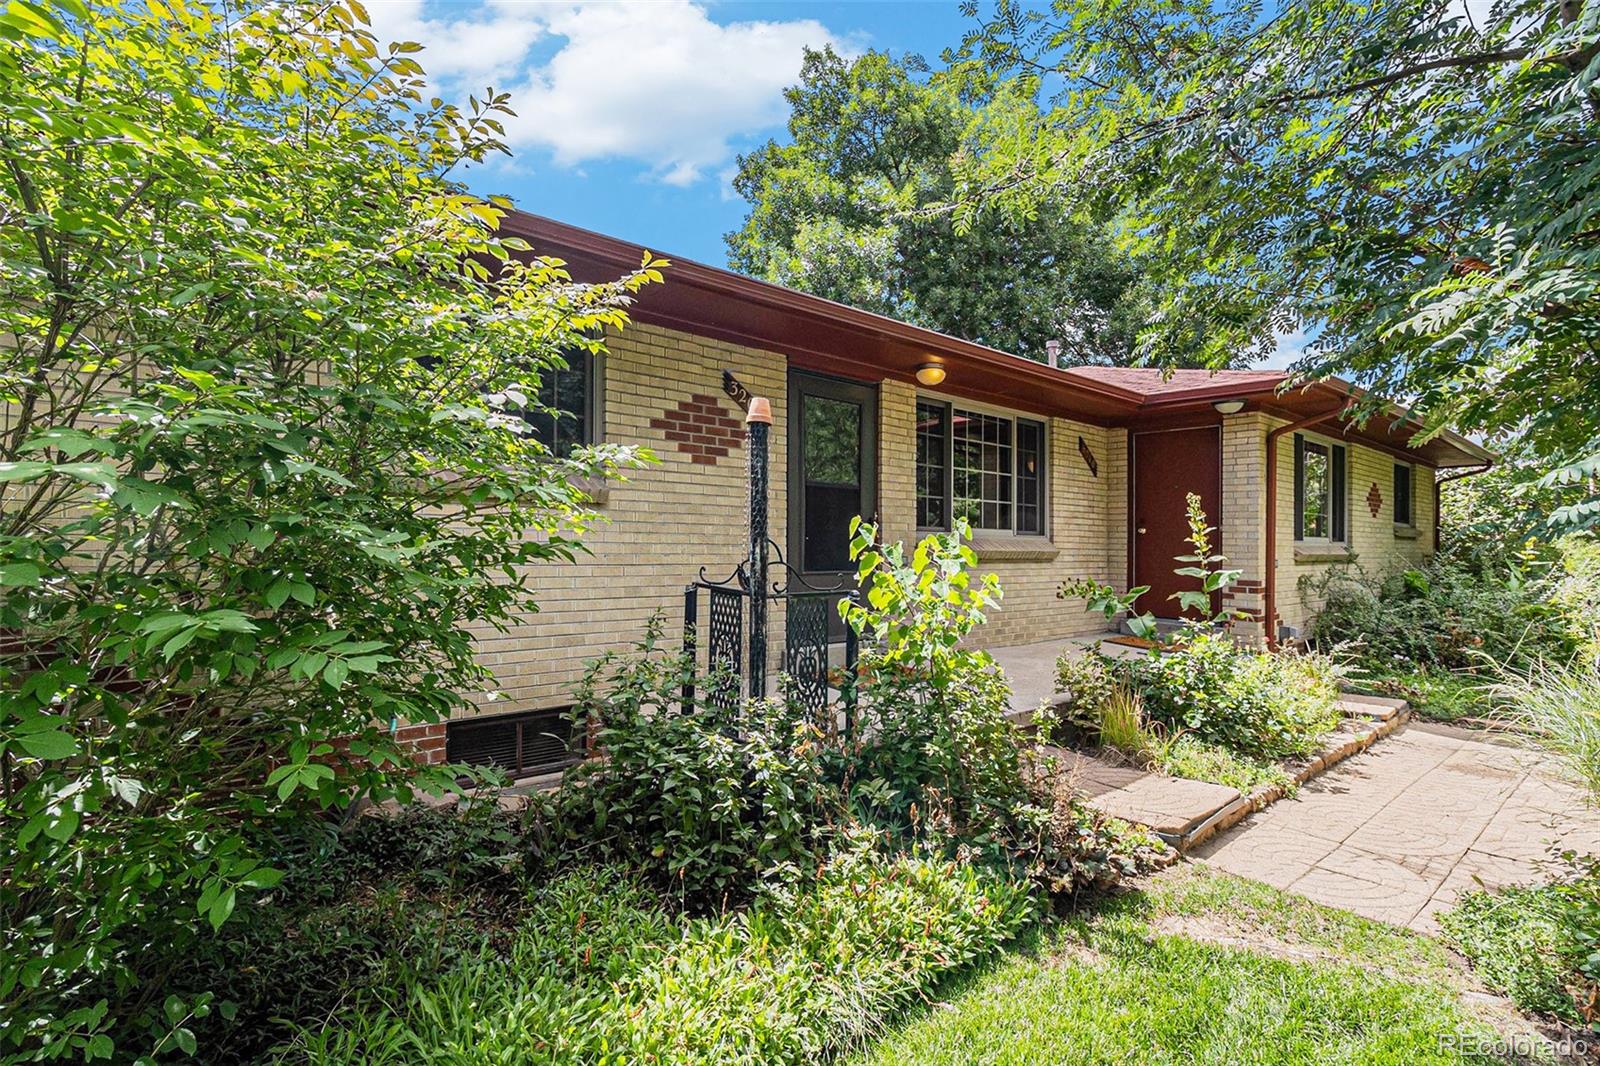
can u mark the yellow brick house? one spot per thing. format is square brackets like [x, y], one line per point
[1062, 474]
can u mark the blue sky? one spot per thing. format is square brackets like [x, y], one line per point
[631, 112]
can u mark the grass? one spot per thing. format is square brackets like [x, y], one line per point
[1560, 704]
[1434, 695]
[1189, 757]
[1200, 968]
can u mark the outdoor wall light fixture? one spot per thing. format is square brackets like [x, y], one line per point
[930, 373]
[1229, 407]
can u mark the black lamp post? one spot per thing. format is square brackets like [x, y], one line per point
[758, 429]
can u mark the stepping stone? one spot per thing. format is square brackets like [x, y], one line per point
[1367, 707]
[1171, 806]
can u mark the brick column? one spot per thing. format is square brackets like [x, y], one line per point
[1243, 519]
[897, 460]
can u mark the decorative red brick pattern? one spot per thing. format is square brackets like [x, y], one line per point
[701, 428]
[1374, 500]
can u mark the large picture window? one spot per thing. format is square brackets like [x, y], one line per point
[1319, 490]
[986, 468]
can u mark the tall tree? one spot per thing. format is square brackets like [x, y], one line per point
[262, 467]
[846, 210]
[1416, 181]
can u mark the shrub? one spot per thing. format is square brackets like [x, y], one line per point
[706, 798]
[1083, 683]
[1258, 703]
[388, 894]
[1447, 615]
[600, 973]
[936, 758]
[1538, 945]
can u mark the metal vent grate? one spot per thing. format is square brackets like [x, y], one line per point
[531, 742]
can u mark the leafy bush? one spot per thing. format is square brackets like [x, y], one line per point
[260, 465]
[710, 797]
[1119, 724]
[936, 757]
[1539, 945]
[392, 893]
[1083, 685]
[599, 972]
[1258, 703]
[1445, 615]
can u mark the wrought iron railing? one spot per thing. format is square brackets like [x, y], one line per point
[737, 647]
[738, 608]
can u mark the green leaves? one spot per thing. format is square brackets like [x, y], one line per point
[1406, 190]
[236, 532]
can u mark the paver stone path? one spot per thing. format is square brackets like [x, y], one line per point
[1399, 832]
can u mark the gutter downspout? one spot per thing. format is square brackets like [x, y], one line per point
[1270, 589]
[1454, 475]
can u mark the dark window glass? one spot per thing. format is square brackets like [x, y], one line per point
[831, 463]
[1402, 494]
[563, 419]
[1316, 490]
[933, 436]
[1030, 477]
[981, 447]
[520, 744]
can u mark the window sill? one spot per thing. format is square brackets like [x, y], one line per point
[1000, 548]
[596, 490]
[1406, 532]
[1323, 553]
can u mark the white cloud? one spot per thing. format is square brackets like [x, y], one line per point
[657, 82]
[470, 48]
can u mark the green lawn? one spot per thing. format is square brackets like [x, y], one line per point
[1200, 968]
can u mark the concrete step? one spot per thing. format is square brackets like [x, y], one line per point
[1378, 708]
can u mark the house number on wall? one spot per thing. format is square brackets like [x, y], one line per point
[736, 390]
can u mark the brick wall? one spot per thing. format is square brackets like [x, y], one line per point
[1374, 539]
[661, 526]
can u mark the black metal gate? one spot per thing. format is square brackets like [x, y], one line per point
[738, 609]
[737, 647]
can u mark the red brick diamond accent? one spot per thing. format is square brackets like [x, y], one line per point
[1374, 500]
[701, 428]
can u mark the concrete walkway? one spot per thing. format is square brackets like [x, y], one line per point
[1398, 832]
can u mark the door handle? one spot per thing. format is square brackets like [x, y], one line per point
[1141, 529]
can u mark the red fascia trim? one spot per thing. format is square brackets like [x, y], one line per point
[688, 273]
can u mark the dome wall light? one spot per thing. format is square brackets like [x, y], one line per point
[930, 373]
[1229, 407]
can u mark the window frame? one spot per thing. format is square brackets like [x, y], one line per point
[1338, 490]
[1410, 520]
[950, 405]
[594, 403]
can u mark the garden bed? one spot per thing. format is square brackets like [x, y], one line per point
[1184, 812]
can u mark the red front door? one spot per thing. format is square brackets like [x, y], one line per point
[1167, 466]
